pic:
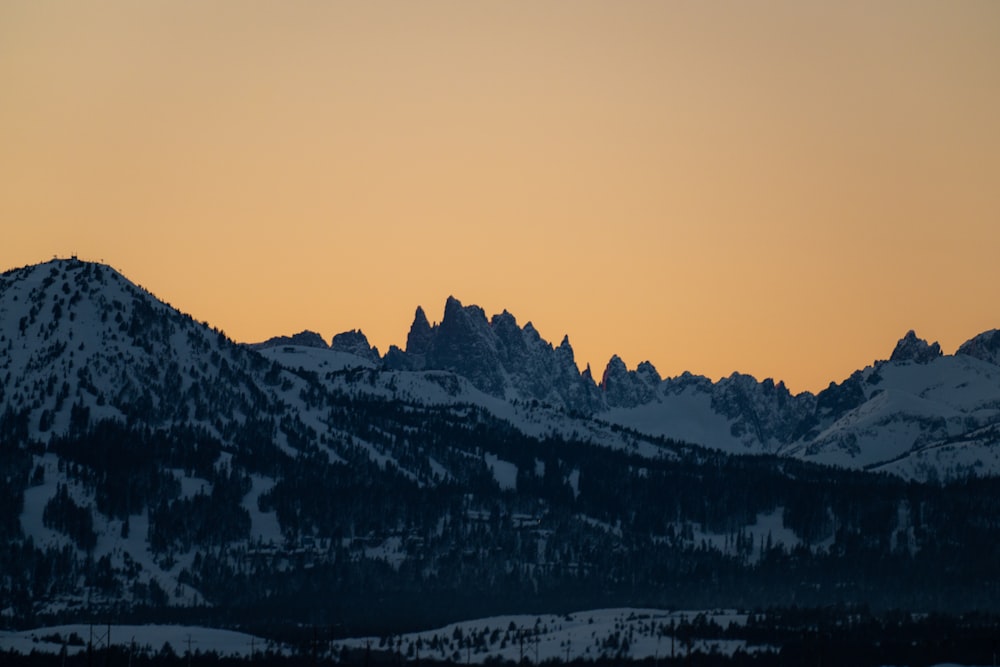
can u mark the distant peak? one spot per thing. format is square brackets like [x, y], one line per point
[917, 350]
[985, 346]
[615, 368]
[648, 372]
[303, 338]
[354, 342]
[419, 339]
[504, 319]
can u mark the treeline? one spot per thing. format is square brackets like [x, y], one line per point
[773, 637]
[393, 518]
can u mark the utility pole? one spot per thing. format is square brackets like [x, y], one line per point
[672, 633]
[189, 642]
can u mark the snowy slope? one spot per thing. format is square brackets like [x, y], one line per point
[141, 639]
[938, 411]
[916, 399]
[624, 634]
[314, 359]
[687, 416]
[912, 408]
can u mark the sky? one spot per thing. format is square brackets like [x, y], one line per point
[781, 188]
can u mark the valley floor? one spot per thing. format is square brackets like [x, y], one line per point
[596, 637]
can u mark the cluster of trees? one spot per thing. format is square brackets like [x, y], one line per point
[836, 635]
[394, 517]
[63, 514]
[628, 534]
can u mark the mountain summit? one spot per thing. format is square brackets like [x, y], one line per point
[497, 356]
[917, 350]
[150, 461]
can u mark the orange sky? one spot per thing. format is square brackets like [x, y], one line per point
[779, 188]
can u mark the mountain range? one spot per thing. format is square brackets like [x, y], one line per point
[919, 413]
[156, 467]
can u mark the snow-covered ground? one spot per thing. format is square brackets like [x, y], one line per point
[625, 633]
[141, 637]
[622, 633]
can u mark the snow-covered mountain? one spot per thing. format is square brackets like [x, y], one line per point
[919, 413]
[81, 344]
[150, 461]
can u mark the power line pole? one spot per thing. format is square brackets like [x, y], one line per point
[189, 642]
[672, 633]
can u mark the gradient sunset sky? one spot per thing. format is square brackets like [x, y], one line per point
[778, 188]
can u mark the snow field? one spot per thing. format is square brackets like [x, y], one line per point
[609, 633]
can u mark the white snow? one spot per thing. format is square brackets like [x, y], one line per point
[686, 416]
[152, 637]
[264, 526]
[315, 359]
[192, 486]
[504, 472]
[609, 633]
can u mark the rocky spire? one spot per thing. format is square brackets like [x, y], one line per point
[419, 339]
[911, 348]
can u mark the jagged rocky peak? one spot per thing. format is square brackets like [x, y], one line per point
[647, 371]
[917, 350]
[615, 370]
[455, 314]
[303, 338]
[985, 346]
[627, 389]
[464, 343]
[512, 337]
[763, 414]
[355, 342]
[497, 355]
[505, 320]
[418, 341]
